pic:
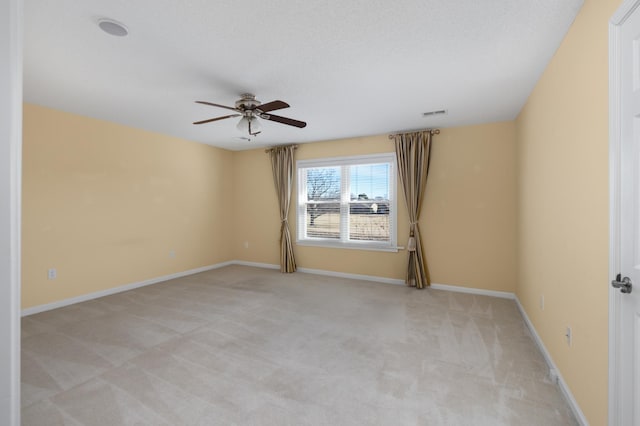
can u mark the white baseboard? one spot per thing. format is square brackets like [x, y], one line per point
[126, 287]
[478, 291]
[324, 272]
[554, 373]
[255, 264]
[351, 276]
[384, 280]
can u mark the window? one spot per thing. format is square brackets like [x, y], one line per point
[348, 202]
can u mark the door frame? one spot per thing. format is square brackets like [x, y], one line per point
[615, 121]
[11, 47]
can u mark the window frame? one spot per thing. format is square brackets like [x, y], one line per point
[345, 195]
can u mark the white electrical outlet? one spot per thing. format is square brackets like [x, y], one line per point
[568, 335]
[172, 253]
[52, 274]
[542, 302]
[246, 244]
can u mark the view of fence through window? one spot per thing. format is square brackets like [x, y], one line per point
[353, 199]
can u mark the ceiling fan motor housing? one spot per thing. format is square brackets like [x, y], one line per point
[247, 102]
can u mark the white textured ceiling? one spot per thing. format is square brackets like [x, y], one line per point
[347, 68]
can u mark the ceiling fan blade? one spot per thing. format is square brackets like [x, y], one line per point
[284, 120]
[216, 105]
[272, 106]
[216, 119]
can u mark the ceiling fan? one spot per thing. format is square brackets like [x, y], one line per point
[251, 109]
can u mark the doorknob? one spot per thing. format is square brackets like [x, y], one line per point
[624, 284]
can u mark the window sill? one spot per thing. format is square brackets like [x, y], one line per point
[348, 246]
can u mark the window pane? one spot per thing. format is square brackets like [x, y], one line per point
[323, 220]
[369, 206]
[370, 182]
[323, 184]
[369, 221]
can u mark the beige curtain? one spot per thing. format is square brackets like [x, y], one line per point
[412, 154]
[282, 167]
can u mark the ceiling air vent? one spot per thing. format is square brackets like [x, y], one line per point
[432, 113]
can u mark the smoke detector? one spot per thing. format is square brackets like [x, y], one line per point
[112, 27]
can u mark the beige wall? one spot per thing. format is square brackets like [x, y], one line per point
[104, 204]
[563, 207]
[468, 218]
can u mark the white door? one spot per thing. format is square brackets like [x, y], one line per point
[625, 285]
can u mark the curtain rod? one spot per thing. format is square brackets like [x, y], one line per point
[274, 147]
[432, 131]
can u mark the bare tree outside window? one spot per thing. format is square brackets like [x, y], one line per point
[323, 185]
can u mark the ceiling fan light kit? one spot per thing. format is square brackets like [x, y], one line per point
[250, 109]
[249, 125]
